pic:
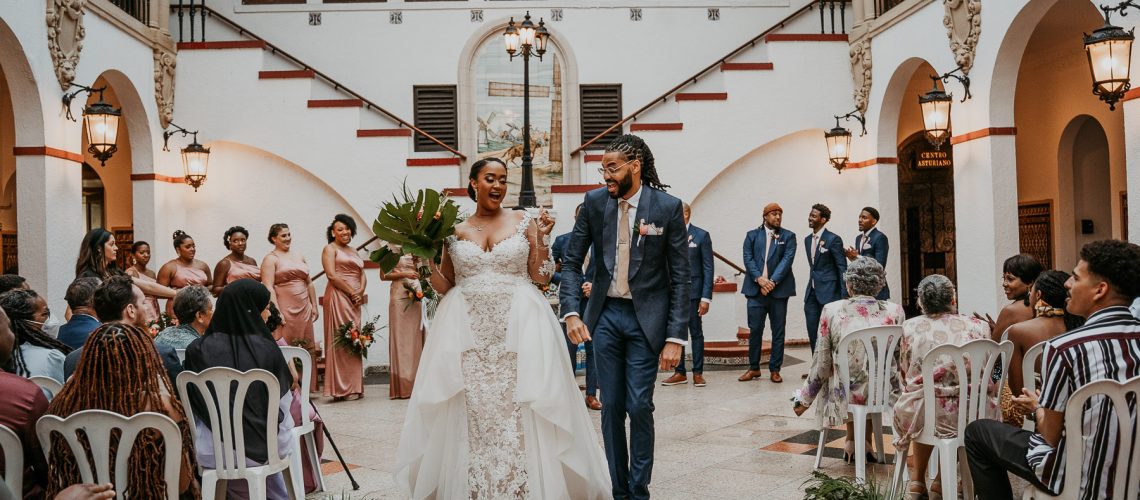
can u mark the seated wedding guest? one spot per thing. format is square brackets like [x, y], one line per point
[1107, 347]
[193, 306]
[80, 299]
[183, 270]
[119, 300]
[939, 324]
[97, 259]
[864, 278]
[1018, 274]
[37, 353]
[274, 323]
[238, 338]
[12, 282]
[121, 363]
[140, 259]
[237, 264]
[24, 404]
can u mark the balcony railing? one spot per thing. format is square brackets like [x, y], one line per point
[882, 6]
[138, 9]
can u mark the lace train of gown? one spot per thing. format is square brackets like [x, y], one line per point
[496, 412]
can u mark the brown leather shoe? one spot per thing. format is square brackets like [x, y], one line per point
[776, 377]
[675, 379]
[699, 380]
[593, 403]
[749, 375]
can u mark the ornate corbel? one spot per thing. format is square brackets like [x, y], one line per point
[860, 53]
[164, 62]
[65, 37]
[963, 23]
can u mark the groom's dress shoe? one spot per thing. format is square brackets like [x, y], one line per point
[749, 375]
[698, 380]
[593, 403]
[776, 377]
[675, 379]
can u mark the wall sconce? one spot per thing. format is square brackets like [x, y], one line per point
[1109, 49]
[100, 121]
[935, 106]
[839, 140]
[195, 157]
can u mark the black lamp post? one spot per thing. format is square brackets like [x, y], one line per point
[524, 40]
[1109, 49]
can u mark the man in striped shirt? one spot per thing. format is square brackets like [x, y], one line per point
[1103, 285]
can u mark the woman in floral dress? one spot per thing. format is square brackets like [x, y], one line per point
[864, 278]
[939, 324]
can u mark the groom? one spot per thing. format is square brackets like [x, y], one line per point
[638, 313]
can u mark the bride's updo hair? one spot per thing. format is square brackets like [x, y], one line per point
[478, 167]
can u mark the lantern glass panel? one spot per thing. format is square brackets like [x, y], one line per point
[511, 40]
[1109, 61]
[102, 130]
[526, 35]
[936, 118]
[838, 147]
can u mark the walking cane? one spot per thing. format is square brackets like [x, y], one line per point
[328, 435]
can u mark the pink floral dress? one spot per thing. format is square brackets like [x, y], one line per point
[840, 318]
[920, 335]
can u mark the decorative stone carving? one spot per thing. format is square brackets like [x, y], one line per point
[860, 53]
[164, 63]
[963, 23]
[65, 37]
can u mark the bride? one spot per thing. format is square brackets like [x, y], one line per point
[496, 411]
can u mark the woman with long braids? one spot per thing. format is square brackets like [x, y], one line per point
[121, 361]
[36, 353]
[183, 270]
[237, 264]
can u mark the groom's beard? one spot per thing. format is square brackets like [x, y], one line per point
[623, 187]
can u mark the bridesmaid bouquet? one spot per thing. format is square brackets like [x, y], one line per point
[418, 224]
[163, 322]
[356, 340]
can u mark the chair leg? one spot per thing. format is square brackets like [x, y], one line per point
[964, 473]
[257, 487]
[819, 448]
[859, 417]
[899, 478]
[211, 487]
[933, 465]
[315, 461]
[291, 476]
[296, 481]
[948, 456]
[877, 422]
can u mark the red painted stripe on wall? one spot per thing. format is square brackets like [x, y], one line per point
[432, 162]
[233, 44]
[638, 127]
[47, 151]
[985, 132]
[873, 161]
[574, 188]
[158, 178]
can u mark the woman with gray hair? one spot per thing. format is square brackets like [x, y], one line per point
[193, 306]
[939, 324]
[864, 278]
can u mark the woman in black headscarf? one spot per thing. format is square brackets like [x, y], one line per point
[238, 338]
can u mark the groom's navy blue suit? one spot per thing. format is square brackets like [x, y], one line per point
[629, 334]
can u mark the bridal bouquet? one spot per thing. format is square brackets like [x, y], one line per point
[417, 224]
[354, 339]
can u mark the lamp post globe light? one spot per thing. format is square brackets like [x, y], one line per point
[1109, 50]
[526, 39]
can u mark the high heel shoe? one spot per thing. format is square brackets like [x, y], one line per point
[912, 494]
[935, 495]
[849, 451]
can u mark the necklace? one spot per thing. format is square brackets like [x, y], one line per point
[477, 228]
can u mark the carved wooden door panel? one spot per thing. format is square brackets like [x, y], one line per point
[926, 216]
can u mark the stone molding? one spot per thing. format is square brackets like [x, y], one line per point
[860, 54]
[65, 37]
[165, 61]
[963, 22]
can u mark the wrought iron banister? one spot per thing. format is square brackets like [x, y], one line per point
[201, 9]
[739, 270]
[746, 45]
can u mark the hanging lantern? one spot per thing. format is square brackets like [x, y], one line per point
[936, 115]
[195, 161]
[838, 146]
[1109, 50]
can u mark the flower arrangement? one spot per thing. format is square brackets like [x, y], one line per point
[163, 322]
[357, 339]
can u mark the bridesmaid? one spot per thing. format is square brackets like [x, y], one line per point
[405, 331]
[183, 270]
[140, 258]
[344, 371]
[237, 264]
[286, 274]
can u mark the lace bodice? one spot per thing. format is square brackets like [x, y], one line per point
[506, 261]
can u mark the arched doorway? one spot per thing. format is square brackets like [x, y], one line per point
[1091, 187]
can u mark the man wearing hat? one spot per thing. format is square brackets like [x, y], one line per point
[871, 243]
[768, 254]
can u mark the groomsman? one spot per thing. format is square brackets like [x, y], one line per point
[824, 251]
[768, 254]
[558, 250]
[701, 270]
[871, 243]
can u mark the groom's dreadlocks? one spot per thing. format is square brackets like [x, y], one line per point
[634, 148]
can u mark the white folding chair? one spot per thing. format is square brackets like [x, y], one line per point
[1029, 375]
[223, 391]
[49, 385]
[13, 461]
[879, 342]
[98, 427]
[974, 363]
[1127, 482]
[304, 433]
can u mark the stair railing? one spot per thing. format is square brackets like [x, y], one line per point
[201, 10]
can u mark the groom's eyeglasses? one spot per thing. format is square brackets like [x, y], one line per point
[613, 170]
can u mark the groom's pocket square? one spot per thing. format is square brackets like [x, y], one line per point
[651, 230]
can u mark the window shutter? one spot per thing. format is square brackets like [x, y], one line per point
[601, 108]
[436, 113]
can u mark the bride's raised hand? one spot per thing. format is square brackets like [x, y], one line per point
[545, 222]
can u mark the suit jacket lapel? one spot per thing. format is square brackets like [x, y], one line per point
[609, 234]
[644, 209]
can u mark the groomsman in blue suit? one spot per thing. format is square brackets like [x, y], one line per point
[768, 254]
[827, 264]
[558, 250]
[701, 269]
[871, 243]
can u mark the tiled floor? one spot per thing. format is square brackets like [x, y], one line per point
[727, 440]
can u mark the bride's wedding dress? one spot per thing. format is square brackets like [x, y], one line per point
[496, 412]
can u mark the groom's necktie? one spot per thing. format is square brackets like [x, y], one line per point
[622, 271]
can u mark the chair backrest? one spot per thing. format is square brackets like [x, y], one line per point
[880, 343]
[293, 354]
[223, 391]
[97, 426]
[1029, 367]
[181, 355]
[51, 385]
[1126, 483]
[13, 460]
[973, 363]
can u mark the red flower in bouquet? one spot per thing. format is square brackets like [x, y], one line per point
[356, 339]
